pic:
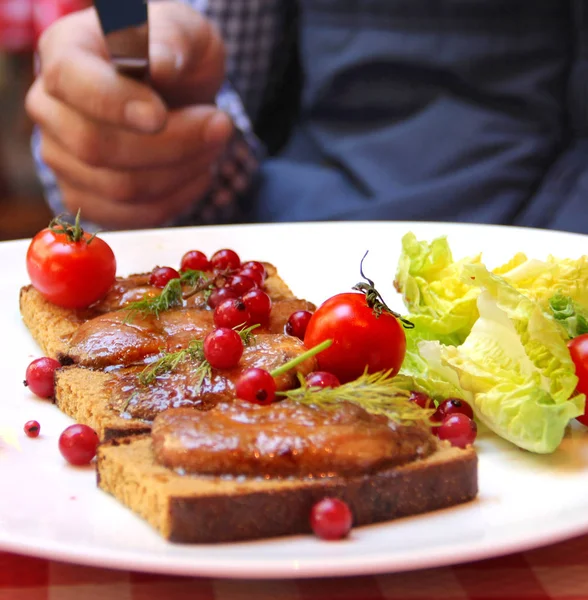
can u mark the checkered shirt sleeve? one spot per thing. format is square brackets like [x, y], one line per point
[251, 30]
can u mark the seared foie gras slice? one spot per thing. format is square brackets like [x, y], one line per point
[188, 386]
[284, 439]
[115, 339]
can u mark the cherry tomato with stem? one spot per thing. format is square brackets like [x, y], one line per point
[365, 333]
[70, 267]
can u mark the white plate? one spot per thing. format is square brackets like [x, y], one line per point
[53, 510]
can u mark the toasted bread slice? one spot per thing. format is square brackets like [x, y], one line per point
[83, 394]
[197, 509]
[52, 326]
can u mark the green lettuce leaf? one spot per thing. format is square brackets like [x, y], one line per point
[572, 316]
[516, 365]
[435, 294]
[541, 280]
[437, 381]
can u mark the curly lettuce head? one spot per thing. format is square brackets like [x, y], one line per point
[515, 364]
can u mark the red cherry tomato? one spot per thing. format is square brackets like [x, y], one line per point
[69, 273]
[360, 338]
[579, 351]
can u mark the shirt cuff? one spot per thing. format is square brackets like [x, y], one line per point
[235, 172]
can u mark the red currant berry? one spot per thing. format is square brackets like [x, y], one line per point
[219, 295]
[195, 260]
[256, 386]
[225, 260]
[453, 406]
[458, 429]
[256, 276]
[240, 284]
[322, 379]
[40, 377]
[231, 313]
[331, 519]
[78, 444]
[32, 429]
[297, 323]
[160, 276]
[254, 265]
[223, 348]
[259, 305]
[421, 399]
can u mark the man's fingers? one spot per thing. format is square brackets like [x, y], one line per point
[76, 70]
[187, 54]
[109, 214]
[123, 187]
[189, 132]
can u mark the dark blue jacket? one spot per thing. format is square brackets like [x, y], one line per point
[450, 110]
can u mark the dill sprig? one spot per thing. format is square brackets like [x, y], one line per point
[194, 278]
[378, 393]
[170, 297]
[194, 351]
[170, 361]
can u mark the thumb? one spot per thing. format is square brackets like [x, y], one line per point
[186, 53]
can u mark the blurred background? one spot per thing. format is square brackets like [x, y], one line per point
[22, 207]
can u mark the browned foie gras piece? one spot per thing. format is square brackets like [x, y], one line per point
[119, 339]
[285, 439]
[185, 386]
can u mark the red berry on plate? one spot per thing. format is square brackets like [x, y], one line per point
[297, 323]
[240, 284]
[195, 260]
[40, 377]
[331, 519]
[161, 276]
[453, 406]
[254, 275]
[422, 400]
[256, 386]
[78, 444]
[458, 429]
[225, 260]
[259, 305]
[219, 295]
[223, 348]
[322, 379]
[254, 265]
[32, 429]
[231, 313]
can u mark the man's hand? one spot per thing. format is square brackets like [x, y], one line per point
[129, 155]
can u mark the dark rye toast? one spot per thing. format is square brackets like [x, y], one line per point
[82, 386]
[115, 403]
[106, 394]
[200, 509]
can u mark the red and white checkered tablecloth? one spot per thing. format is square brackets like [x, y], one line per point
[23, 21]
[551, 573]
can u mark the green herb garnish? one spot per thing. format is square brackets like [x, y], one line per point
[194, 351]
[377, 393]
[170, 297]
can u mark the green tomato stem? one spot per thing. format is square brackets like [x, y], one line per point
[299, 359]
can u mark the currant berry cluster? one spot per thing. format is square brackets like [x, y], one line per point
[455, 419]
